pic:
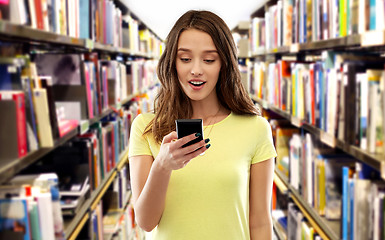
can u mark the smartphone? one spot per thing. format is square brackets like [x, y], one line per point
[186, 127]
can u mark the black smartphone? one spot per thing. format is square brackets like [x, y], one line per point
[186, 127]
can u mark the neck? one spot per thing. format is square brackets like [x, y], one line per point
[205, 110]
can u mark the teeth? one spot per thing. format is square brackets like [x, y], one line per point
[196, 82]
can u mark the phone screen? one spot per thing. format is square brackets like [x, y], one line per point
[186, 127]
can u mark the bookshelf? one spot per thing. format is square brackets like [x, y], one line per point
[374, 160]
[326, 229]
[27, 40]
[275, 40]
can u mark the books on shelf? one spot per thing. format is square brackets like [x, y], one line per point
[42, 195]
[57, 91]
[44, 97]
[337, 187]
[327, 93]
[97, 20]
[291, 22]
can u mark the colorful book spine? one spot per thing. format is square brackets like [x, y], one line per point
[19, 99]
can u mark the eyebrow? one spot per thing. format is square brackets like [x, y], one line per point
[188, 50]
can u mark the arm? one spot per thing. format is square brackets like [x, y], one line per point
[261, 184]
[150, 178]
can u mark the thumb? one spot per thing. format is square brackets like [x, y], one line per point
[169, 137]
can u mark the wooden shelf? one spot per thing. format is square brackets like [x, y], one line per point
[9, 170]
[278, 232]
[75, 225]
[351, 41]
[23, 33]
[326, 229]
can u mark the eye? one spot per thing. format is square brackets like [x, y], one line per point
[185, 59]
[209, 60]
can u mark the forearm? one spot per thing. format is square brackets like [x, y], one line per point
[262, 232]
[150, 204]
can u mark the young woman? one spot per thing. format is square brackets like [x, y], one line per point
[224, 193]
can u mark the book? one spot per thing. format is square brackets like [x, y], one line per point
[375, 137]
[361, 208]
[9, 149]
[10, 75]
[14, 219]
[282, 146]
[111, 221]
[18, 12]
[38, 7]
[20, 118]
[95, 172]
[5, 10]
[346, 175]
[32, 13]
[46, 83]
[351, 68]
[42, 117]
[31, 125]
[294, 219]
[363, 79]
[334, 183]
[84, 19]
[44, 203]
[307, 232]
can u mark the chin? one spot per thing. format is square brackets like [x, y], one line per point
[194, 97]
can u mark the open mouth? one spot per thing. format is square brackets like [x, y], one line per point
[197, 83]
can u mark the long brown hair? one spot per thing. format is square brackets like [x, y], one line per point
[171, 102]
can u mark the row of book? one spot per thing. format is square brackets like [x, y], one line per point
[98, 20]
[114, 212]
[139, 39]
[336, 185]
[52, 94]
[30, 208]
[35, 206]
[74, 171]
[301, 21]
[290, 223]
[298, 227]
[114, 217]
[328, 93]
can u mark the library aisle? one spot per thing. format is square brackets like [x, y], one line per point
[74, 75]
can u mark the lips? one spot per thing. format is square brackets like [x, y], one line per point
[196, 84]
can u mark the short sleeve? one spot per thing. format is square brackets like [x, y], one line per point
[138, 144]
[265, 147]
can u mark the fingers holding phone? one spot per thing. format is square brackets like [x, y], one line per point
[179, 148]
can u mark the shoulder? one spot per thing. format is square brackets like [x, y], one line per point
[252, 119]
[142, 120]
[252, 124]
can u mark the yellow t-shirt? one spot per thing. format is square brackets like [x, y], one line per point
[209, 198]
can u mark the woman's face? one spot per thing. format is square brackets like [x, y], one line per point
[197, 64]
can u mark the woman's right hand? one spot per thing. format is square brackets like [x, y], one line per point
[172, 156]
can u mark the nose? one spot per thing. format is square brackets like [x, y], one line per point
[196, 69]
